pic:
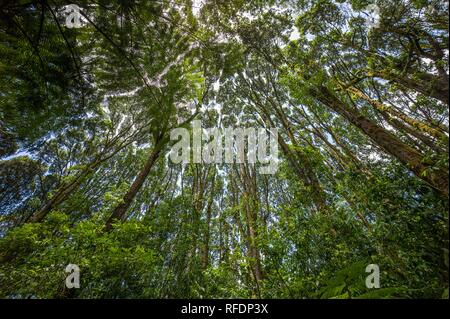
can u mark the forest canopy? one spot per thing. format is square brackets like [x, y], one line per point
[350, 98]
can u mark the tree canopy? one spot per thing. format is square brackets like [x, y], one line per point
[87, 106]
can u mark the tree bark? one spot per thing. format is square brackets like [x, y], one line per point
[427, 84]
[120, 210]
[205, 250]
[436, 178]
[62, 194]
[419, 125]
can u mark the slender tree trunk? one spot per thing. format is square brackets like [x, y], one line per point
[205, 250]
[251, 209]
[121, 210]
[65, 190]
[299, 162]
[63, 193]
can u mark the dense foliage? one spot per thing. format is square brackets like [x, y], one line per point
[85, 120]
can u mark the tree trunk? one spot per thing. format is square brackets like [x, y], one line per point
[419, 125]
[120, 210]
[414, 160]
[428, 84]
[205, 250]
[63, 193]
